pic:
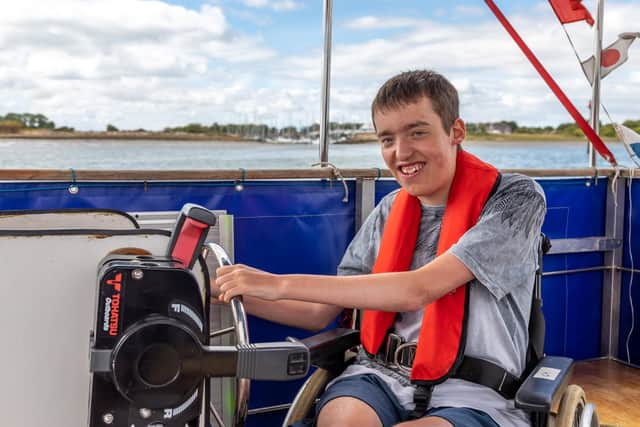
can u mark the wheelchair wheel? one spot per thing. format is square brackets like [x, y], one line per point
[571, 407]
[306, 397]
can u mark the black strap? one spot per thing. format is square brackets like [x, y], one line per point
[471, 369]
[421, 397]
[490, 375]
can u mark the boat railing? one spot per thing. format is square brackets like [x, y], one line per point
[262, 174]
[607, 239]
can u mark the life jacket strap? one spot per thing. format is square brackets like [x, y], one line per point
[488, 374]
[422, 398]
[397, 354]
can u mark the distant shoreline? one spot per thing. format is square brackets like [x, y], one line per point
[185, 136]
[120, 135]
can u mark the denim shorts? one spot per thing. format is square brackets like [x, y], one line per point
[374, 392]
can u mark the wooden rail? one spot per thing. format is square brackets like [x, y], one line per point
[252, 174]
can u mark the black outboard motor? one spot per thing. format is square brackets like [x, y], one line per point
[149, 355]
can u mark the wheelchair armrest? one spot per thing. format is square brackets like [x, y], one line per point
[327, 349]
[543, 388]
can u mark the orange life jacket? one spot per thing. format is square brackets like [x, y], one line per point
[442, 336]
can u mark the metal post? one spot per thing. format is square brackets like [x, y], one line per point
[365, 199]
[595, 87]
[326, 77]
[612, 278]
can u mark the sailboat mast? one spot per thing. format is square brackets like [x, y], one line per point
[595, 87]
[326, 80]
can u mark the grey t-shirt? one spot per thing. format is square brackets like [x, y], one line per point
[500, 250]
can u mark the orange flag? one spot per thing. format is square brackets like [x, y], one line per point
[569, 11]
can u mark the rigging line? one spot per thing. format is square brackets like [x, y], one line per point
[593, 137]
[631, 173]
[575, 51]
[607, 113]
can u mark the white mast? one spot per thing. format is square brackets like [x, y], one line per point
[326, 81]
[595, 86]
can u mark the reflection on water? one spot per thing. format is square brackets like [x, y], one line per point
[179, 155]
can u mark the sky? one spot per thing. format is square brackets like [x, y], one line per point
[152, 64]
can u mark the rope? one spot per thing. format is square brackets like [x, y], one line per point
[338, 175]
[575, 51]
[632, 174]
[614, 189]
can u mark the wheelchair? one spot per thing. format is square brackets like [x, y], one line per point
[545, 394]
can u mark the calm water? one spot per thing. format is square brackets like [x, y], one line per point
[112, 154]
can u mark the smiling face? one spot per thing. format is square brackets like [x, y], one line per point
[417, 149]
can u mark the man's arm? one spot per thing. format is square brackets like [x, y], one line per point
[358, 259]
[299, 314]
[402, 291]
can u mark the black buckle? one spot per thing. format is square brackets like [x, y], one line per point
[388, 350]
[404, 355]
[396, 352]
[422, 398]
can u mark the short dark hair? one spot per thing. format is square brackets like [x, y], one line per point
[408, 87]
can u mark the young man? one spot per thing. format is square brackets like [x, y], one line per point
[454, 252]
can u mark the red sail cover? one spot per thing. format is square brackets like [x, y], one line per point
[593, 137]
[441, 337]
[569, 11]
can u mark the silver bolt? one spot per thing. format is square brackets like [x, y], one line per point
[73, 189]
[145, 413]
[137, 274]
[107, 418]
[239, 187]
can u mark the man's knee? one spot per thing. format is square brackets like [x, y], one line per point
[348, 412]
[426, 422]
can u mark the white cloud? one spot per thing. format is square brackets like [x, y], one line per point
[470, 10]
[377, 23]
[102, 57]
[133, 63]
[497, 80]
[278, 5]
[287, 5]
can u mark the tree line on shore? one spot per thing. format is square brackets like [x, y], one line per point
[15, 123]
[565, 129]
[264, 132]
